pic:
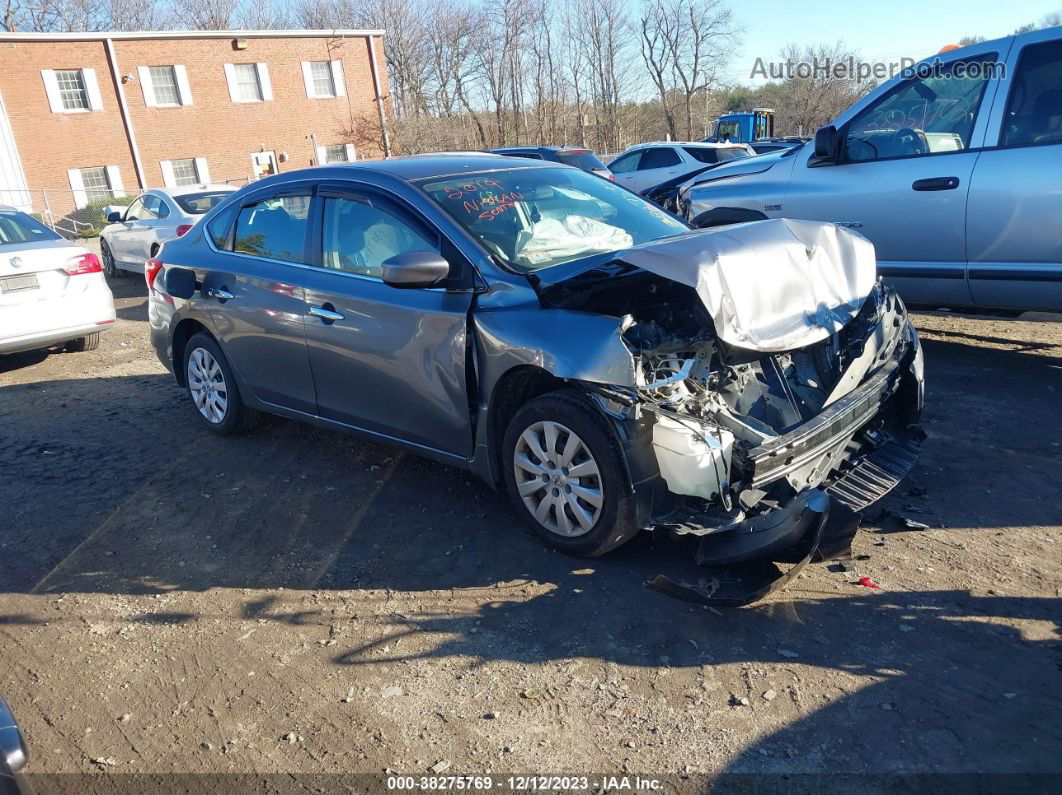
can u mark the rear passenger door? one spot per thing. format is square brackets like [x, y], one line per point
[1015, 205]
[255, 297]
[386, 360]
[658, 164]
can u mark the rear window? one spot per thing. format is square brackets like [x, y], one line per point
[584, 159]
[199, 203]
[18, 228]
[732, 154]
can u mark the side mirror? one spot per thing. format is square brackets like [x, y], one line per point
[827, 144]
[180, 282]
[114, 216]
[415, 269]
[13, 753]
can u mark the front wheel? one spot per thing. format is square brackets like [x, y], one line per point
[213, 389]
[110, 267]
[566, 476]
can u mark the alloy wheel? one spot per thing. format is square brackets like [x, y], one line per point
[558, 479]
[108, 260]
[206, 382]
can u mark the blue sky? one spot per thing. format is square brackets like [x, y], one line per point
[882, 30]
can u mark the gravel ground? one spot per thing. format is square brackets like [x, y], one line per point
[296, 600]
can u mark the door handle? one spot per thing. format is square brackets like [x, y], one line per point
[327, 313]
[936, 183]
[220, 293]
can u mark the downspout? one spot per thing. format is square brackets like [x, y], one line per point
[127, 122]
[379, 98]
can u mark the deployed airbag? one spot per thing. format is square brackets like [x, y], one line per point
[553, 238]
[770, 285]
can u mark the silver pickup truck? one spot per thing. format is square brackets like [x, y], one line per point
[954, 173]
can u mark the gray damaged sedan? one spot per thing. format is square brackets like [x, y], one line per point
[610, 367]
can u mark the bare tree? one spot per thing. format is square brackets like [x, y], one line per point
[207, 14]
[682, 43]
[810, 97]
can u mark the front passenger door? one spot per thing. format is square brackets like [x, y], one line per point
[387, 360]
[904, 176]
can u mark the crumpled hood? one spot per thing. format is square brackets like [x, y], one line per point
[769, 285]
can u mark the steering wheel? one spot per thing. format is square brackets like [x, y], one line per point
[906, 137]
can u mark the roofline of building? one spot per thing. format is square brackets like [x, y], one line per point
[189, 34]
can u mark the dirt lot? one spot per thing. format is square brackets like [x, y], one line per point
[297, 600]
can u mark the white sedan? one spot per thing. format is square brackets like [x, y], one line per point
[136, 233]
[52, 292]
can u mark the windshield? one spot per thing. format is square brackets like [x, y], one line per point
[16, 228]
[538, 217]
[199, 203]
[580, 158]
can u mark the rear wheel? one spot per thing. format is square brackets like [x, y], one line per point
[89, 343]
[565, 474]
[213, 389]
[110, 267]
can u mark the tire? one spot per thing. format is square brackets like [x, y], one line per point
[81, 344]
[110, 267]
[579, 525]
[213, 390]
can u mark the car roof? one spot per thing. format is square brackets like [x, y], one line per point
[414, 167]
[184, 190]
[698, 144]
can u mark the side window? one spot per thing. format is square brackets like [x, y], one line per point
[660, 157]
[627, 163]
[702, 154]
[922, 116]
[1034, 108]
[360, 234]
[161, 209]
[135, 210]
[220, 226]
[151, 208]
[274, 228]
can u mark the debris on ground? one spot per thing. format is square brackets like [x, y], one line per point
[866, 582]
[770, 695]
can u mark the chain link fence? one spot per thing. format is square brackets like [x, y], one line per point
[73, 214]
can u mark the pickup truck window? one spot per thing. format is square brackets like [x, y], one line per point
[1034, 108]
[921, 116]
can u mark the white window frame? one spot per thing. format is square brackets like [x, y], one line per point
[322, 154]
[265, 85]
[88, 79]
[184, 89]
[339, 86]
[202, 172]
[80, 192]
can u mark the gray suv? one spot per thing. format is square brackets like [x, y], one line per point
[952, 172]
[559, 336]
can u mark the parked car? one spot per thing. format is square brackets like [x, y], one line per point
[952, 173]
[646, 165]
[558, 336]
[136, 233]
[13, 755]
[52, 291]
[569, 156]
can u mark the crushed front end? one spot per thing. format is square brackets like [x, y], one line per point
[742, 438]
[772, 370]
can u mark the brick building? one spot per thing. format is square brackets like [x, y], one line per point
[86, 116]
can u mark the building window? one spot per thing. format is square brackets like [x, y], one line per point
[72, 89]
[184, 172]
[97, 185]
[248, 87]
[336, 154]
[323, 85]
[164, 84]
